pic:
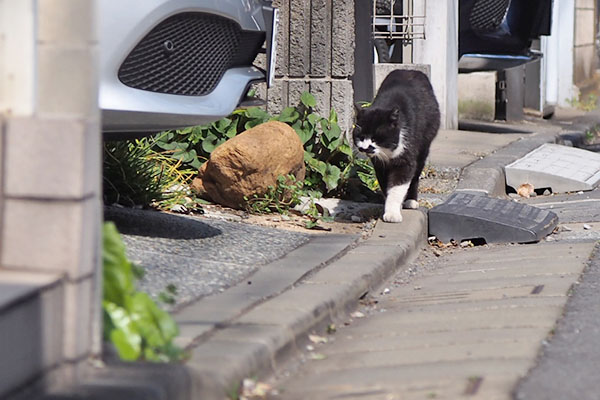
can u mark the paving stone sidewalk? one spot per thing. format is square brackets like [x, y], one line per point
[471, 328]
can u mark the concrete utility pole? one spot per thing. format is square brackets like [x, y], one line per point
[50, 191]
[440, 50]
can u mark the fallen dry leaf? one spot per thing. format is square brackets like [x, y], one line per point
[317, 339]
[525, 190]
[252, 389]
[331, 329]
[357, 314]
[317, 356]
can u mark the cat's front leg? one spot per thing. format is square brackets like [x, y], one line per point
[393, 203]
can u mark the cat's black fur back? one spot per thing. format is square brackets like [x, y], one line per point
[396, 132]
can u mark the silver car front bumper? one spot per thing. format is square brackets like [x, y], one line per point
[124, 24]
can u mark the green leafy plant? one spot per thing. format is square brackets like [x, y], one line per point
[366, 173]
[133, 322]
[168, 295]
[584, 103]
[158, 170]
[280, 198]
[135, 174]
[327, 155]
[592, 134]
[316, 214]
[130, 178]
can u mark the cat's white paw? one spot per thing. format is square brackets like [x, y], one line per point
[393, 215]
[411, 204]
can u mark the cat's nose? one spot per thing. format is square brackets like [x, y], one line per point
[369, 150]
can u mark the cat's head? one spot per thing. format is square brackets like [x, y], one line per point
[377, 132]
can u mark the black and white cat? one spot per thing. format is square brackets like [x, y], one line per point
[396, 132]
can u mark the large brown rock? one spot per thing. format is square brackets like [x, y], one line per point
[249, 163]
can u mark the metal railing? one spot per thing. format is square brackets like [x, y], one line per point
[399, 20]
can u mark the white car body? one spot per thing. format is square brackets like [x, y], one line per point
[150, 64]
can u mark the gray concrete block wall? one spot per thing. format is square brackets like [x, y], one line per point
[315, 53]
[50, 180]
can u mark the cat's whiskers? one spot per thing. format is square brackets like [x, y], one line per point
[382, 155]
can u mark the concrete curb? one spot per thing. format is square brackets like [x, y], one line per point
[486, 176]
[249, 335]
[254, 344]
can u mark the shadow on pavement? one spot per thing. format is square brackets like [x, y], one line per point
[156, 224]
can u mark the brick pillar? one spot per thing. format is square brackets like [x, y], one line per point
[50, 162]
[315, 53]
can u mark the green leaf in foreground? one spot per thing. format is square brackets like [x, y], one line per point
[133, 322]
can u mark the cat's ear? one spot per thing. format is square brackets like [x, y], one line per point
[394, 114]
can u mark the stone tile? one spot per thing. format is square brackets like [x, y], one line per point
[527, 253]
[436, 293]
[68, 82]
[516, 272]
[401, 378]
[449, 283]
[69, 22]
[512, 267]
[63, 159]
[390, 358]
[52, 236]
[347, 340]
[481, 304]
[78, 312]
[461, 321]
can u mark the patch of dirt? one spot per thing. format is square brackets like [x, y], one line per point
[349, 217]
[294, 221]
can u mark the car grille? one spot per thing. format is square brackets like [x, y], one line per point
[187, 54]
[487, 15]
